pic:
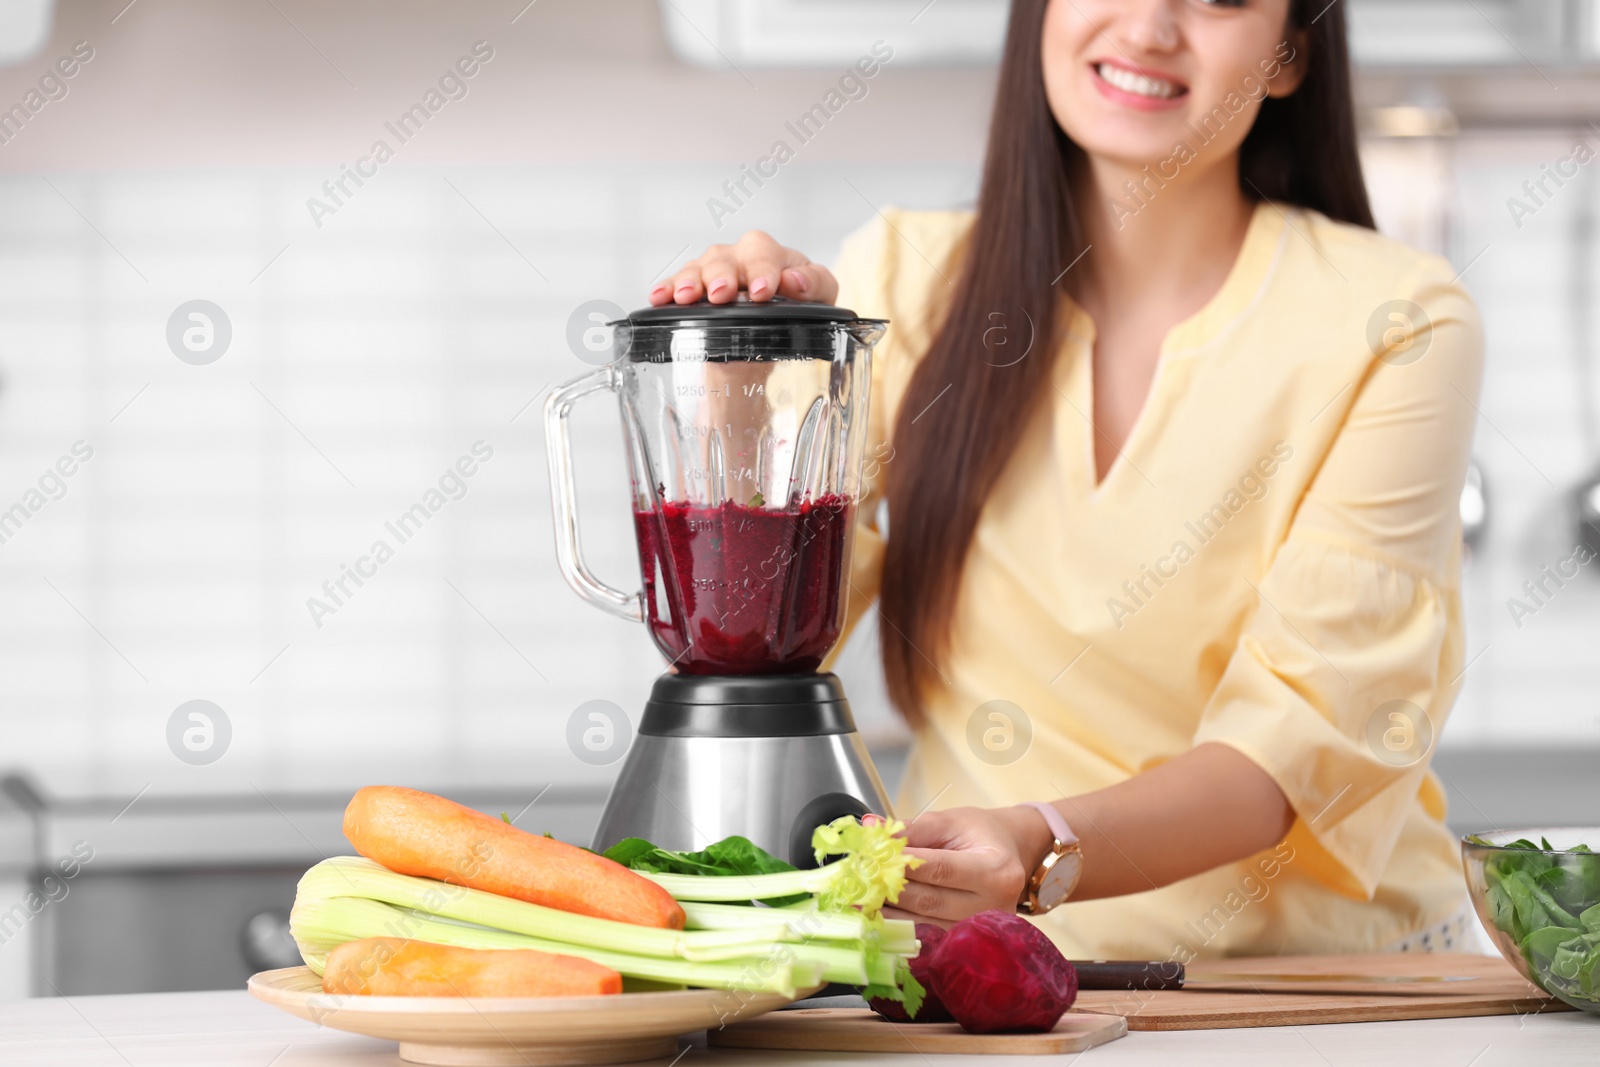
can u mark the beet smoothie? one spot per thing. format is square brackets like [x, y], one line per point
[744, 589]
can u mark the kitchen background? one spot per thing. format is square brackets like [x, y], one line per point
[359, 348]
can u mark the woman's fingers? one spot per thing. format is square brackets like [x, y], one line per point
[939, 866]
[758, 265]
[968, 862]
[980, 867]
[810, 281]
[762, 260]
[975, 870]
[720, 274]
[936, 829]
[939, 902]
[685, 285]
[713, 276]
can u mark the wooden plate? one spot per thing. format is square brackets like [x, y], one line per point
[491, 1031]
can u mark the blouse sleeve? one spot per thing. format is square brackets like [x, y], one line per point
[1357, 619]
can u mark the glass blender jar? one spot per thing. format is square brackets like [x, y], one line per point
[745, 425]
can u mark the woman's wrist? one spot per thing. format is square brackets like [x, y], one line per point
[1032, 834]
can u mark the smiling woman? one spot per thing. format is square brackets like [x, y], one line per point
[1065, 145]
[1142, 91]
[1173, 199]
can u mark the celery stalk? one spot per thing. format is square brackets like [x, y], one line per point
[321, 924]
[741, 887]
[802, 922]
[872, 871]
[838, 934]
[896, 937]
[354, 876]
[844, 964]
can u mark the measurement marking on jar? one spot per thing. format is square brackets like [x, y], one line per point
[687, 430]
[719, 585]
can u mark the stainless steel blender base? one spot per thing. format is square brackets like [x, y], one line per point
[686, 792]
[750, 756]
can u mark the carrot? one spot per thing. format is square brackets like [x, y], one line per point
[397, 967]
[426, 836]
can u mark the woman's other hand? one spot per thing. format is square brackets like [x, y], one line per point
[756, 264]
[1209, 806]
[973, 859]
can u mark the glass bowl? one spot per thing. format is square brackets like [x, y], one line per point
[1538, 894]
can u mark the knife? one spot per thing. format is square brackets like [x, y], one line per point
[1170, 974]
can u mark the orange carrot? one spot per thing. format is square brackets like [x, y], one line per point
[397, 967]
[419, 834]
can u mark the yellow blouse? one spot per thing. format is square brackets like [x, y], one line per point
[1272, 563]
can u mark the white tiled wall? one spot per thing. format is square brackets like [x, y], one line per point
[427, 315]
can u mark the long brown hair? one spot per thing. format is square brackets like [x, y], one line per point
[966, 407]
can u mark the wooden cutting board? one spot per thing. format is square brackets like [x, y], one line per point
[1498, 990]
[863, 1030]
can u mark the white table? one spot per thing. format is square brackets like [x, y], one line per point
[232, 1029]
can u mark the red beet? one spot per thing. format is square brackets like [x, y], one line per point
[933, 1009]
[997, 972]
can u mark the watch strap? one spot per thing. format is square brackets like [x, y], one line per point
[1052, 818]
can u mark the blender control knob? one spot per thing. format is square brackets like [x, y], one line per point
[823, 809]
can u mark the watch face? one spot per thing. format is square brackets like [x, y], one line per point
[1060, 880]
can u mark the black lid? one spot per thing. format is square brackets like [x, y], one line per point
[739, 332]
[746, 688]
[769, 705]
[778, 311]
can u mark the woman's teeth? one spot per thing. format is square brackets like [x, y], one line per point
[1138, 84]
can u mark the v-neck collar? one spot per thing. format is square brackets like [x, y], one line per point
[1239, 292]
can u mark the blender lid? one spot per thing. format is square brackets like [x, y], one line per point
[779, 311]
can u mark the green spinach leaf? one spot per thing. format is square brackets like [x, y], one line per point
[1548, 902]
[731, 856]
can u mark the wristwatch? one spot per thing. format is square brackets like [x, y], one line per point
[1053, 881]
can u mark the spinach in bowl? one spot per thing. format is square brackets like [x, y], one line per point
[1547, 902]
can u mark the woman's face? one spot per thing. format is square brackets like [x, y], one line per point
[1173, 84]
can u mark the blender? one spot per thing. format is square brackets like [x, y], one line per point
[744, 425]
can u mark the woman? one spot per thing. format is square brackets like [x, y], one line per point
[1171, 443]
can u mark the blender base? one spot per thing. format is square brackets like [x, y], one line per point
[767, 758]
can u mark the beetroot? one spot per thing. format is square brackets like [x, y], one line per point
[933, 1009]
[997, 971]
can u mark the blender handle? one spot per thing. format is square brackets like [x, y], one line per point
[563, 498]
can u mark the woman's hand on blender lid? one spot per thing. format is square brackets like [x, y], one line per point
[757, 265]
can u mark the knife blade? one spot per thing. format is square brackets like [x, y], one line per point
[1169, 974]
